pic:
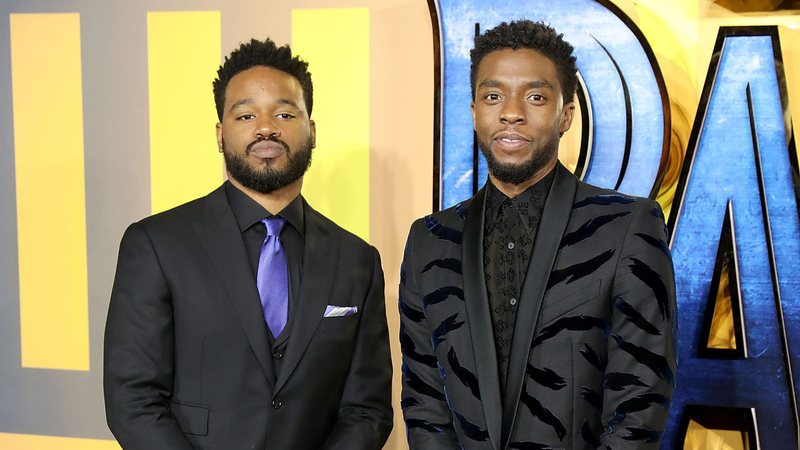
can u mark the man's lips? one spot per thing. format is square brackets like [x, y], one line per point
[510, 141]
[266, 149]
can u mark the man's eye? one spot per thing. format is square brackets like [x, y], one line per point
[492, 96]
[285, 116]
[246, 117]
[536, 97]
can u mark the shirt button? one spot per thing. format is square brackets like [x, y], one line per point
[511, 246]
[277, 404]
[277, 355]
[513, 301]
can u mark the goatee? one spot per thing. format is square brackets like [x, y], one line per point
[518, 173]
[267, 179]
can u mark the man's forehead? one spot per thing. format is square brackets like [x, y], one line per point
[251, 100]
[264, 75]
[259, 81]
[512, 61]
[501, 55]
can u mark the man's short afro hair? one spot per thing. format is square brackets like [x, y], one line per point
[258, 53]
[533, 35]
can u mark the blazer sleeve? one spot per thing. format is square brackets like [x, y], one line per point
[365, 412]
[429, 422]
[139, 350]
[640, 375]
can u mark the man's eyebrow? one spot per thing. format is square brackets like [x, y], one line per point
[286, 101]
[490, 83]
[530, 85]
[250, 101]
[538, 84]
[242, 102]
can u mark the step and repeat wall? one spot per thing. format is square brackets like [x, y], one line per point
[107, 116]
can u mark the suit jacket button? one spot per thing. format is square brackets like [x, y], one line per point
[277, 404]
[277, 355]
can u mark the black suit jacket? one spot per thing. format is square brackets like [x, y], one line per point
[592, 359]
[187, 359]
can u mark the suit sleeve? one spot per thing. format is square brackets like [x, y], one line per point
[139, 350]
[429, 422]
[365, 413]
[640, 375]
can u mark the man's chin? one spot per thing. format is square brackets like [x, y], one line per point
[516, 174]
[266, 164]
[513, 164]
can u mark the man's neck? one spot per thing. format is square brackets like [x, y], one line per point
[513, 190]
[275, 201]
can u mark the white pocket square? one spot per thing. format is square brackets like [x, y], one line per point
[340, 311]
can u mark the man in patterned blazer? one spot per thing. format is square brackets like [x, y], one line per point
[538, 314]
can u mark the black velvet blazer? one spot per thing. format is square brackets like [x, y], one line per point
[592, 361]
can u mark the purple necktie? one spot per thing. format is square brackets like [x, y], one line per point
[273, 278]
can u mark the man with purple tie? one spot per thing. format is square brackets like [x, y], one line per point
[245, 319]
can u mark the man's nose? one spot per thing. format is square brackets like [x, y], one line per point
[267, 129]
[512, 112]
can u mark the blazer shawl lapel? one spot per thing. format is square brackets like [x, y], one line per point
[219, 234]
[555, 216]
[479, 317]
[316, 281]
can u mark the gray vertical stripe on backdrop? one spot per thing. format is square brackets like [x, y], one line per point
[117, 183]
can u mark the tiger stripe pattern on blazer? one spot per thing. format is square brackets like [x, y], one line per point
[592, 361]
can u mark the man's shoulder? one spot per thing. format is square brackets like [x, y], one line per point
[340, 234]
[182, 215]
[175, 215]
[452, 216]
[446, 225]
[597, 200]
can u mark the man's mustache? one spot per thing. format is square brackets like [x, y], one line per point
[272, 139]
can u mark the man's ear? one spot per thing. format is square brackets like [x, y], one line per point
[312, 127]
[219, 136]
[472, 110]
[566, 117]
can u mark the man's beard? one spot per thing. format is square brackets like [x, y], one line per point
[266, 180]
[518, 173]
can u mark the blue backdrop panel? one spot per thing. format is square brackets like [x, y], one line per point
[723, 166]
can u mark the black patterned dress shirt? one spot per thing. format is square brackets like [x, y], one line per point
[509, 232]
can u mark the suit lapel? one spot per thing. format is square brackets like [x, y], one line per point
[219, 234]
[316, 282]
[555, 217]
[479, 317]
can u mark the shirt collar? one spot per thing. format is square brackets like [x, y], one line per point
[529, 202]
[494, 199]
[248, 212]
